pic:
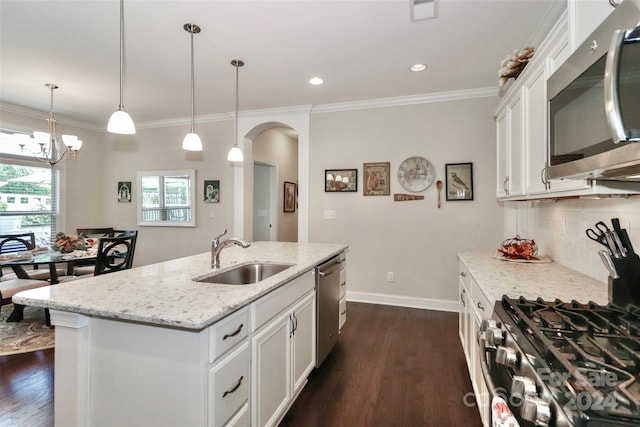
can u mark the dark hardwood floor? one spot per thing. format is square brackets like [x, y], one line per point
[26, 389]
[392, 366]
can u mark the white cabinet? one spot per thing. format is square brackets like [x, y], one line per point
[283, 349]
[474, 307]
[509, 136]
[584, 17]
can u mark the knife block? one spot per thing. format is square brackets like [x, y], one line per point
[626, 288]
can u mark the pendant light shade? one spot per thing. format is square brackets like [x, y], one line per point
[192, 141]
[235, 154]
[120, 121]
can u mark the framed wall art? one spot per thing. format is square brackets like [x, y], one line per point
[459, 181]
[124, 191]
[376, 180]
[212, 191]
[340, 180]
[289, 196]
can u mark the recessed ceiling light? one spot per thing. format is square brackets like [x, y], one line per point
[418, 67]
[316, 81]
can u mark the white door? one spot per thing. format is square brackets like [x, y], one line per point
[262, 204]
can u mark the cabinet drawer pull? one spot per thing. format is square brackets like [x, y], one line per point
[343, 313]
[480, 306]
[464, 304]
[234, 333]
[463, 274]
[233, 389]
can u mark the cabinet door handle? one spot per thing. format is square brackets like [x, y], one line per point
[463, 274]
[344, 312]
[233, 389]
[234, 333]
[480, 306]
[464, 304]
[295, 323]
[506, 185]
[292, 327]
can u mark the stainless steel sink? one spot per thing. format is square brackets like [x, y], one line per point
[245, 274]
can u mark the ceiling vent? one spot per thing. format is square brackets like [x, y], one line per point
[422, 9]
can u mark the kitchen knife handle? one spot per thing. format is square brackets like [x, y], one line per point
[608, 264]
[626, 242]
[621, 247]
[611, 245]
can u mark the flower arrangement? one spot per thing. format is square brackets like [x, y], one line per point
[65, 244]
[513, 64]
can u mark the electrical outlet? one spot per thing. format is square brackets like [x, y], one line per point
[391, 277]
[329, 214]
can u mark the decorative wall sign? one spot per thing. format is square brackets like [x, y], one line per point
[340, 180]
[212, 191]
[406, 197]
[289, 196]
[416, 174]
[376, 179]
[124, 191]
[459, 181]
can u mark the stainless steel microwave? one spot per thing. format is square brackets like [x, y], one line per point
[594, 103]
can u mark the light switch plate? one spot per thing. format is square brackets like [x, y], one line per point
[329, 214]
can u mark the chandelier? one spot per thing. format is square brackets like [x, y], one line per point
[49, 150]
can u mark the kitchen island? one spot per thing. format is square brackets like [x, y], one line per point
[150, 346]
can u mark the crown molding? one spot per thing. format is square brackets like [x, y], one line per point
[407, 100]
[35, 114]
[180, 121]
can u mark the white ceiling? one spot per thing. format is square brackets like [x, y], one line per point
[362, 49]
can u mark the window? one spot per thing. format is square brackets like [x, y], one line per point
[27, 193]
[167, 198]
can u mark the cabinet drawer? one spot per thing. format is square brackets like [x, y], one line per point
[343, 311]
[241, 419]
[481, 304]
[229, 385]
[273, 303]
[228, 332]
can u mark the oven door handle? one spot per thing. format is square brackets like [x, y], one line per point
[484, 367]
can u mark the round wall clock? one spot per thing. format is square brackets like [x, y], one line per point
[416, 174]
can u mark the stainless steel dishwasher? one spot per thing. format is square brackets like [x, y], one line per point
[327, 305]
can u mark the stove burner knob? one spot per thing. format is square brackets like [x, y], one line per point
[494, 336]
[536, 411]
[522, 387]
[487, 323]
[507, 356]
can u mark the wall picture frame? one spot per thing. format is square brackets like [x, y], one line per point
[341, 180]
[289, 197]
[124, 191]
[459, 177]
[376, 179]
[212, 191]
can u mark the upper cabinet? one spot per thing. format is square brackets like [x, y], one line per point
[585, 16]
[521, 121]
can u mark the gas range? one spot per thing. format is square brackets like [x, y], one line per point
[563, 364]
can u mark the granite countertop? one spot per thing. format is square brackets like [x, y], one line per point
[164, 294]
[545, 280]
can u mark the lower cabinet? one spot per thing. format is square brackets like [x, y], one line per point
[283, 354]
[474, 307]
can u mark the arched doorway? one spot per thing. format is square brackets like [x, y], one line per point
[250, 125]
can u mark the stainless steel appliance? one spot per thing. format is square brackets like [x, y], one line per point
[327, 306]
[564, 363]
[594, 107]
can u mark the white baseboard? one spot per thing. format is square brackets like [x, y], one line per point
[403, 301]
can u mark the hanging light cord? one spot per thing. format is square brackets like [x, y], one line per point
[121, 107]
[235, 136]
[192, 83]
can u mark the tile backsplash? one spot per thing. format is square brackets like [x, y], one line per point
[559, 228]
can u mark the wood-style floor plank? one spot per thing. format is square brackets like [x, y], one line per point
[392, 366]
[26, 389]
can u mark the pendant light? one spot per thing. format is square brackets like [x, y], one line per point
[192, 141]
[235, 154]
[120, 121]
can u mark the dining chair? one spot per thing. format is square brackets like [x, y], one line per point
[18, 242]
[95, 232]
[115, 254]
[84, 268]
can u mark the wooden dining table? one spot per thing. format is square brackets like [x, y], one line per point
[51, 258]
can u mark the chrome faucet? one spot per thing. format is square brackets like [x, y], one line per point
[217, 246]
